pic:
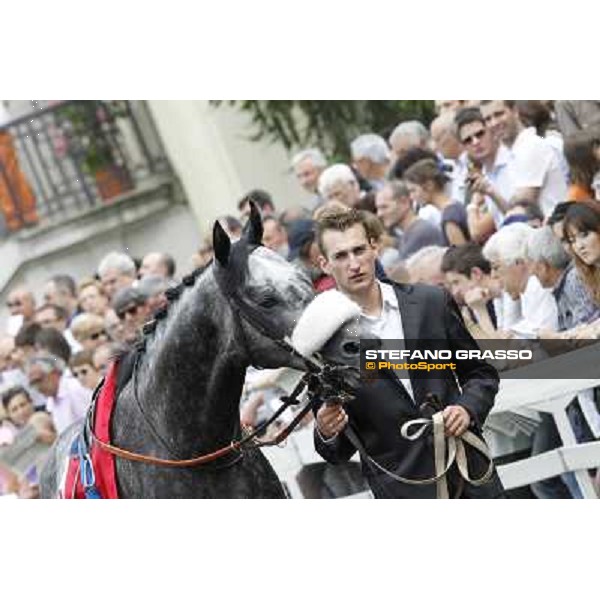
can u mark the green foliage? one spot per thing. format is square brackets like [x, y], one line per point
[88, 126]
[329, 124]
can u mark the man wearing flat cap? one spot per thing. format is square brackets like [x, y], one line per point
[131, 306]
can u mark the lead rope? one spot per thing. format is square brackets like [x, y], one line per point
[447, 451]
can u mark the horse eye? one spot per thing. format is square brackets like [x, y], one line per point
[351, 347]
[268, 302]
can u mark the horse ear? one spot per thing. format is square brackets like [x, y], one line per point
[221, 244]
[254, 227]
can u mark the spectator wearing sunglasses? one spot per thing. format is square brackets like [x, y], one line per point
[88, 329]
[21, 306]
[82, 367]
[131, 306]
[489, 180]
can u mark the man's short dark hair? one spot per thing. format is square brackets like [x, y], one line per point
[559, 212]
[64, 283]
[337, 219]
[13, 391]
[60, 313]
[462, 259]
[466, 116]
[26, 335]
[413, 156]
[54, 342]
[259, 197]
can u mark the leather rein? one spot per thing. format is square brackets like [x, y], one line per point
[314, 379]
[209, 457]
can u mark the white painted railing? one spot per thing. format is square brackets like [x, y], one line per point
[513, 419]
[550, 396]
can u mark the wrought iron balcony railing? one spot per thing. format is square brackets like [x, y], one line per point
[68, 157]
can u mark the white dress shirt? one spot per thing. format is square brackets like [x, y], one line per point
[388, 326]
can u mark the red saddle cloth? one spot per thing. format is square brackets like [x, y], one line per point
[103, 462]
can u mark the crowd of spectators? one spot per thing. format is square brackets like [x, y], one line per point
[498, 201]
[59, 341]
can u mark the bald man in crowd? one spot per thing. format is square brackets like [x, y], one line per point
[158, 263]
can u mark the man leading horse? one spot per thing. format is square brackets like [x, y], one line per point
[396, 463]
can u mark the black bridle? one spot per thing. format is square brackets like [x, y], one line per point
[322, 382]
[327, 376]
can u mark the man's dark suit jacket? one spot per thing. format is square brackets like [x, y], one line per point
[382, 405]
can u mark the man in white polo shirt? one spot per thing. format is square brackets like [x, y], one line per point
[537, 173]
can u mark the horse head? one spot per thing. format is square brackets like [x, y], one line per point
[266, 293]
[268, 296]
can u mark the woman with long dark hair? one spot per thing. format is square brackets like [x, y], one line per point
[582, 231]
[426, 183]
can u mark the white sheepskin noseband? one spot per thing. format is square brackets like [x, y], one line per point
[321, 319]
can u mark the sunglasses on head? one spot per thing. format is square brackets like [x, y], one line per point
[475, 136]
[131, 311]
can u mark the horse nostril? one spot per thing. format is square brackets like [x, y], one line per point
[351, 347]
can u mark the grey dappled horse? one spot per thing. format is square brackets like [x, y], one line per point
[191, 371]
